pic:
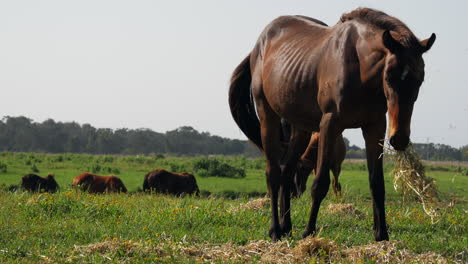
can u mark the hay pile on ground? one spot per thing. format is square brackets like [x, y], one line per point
[311, 249]
[257, 204]
[388, 252]
[344, 209]
[411, 180]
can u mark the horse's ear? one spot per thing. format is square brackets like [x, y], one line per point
[427, 43]
[390, 42]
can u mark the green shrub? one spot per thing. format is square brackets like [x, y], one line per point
[464, 171]
[59, 158]
[108, 159]
[96, 168]
[3, 167]
[177, 167]
[34, 168]
[206, 167]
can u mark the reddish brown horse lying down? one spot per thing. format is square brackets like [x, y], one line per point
[163, 181]
[99, 184]
[308, 163]
[36, 183]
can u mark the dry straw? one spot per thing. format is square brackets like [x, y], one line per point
[255, 205]
[344, 209]
[411, 180]
[308, 250]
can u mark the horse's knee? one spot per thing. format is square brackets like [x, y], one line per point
[320, 188]
[273, 174]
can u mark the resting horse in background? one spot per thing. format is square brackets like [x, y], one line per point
[308, 161]
[327, 79]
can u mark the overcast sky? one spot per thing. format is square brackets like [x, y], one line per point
[165, 64]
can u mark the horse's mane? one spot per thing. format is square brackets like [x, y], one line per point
[382, 20]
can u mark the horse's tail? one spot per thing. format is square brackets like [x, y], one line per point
[241, 102]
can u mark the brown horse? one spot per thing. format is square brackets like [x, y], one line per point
[308, 163]
[327, 79]
[163, 181]
[36, 183]
[308, 160]
[99, 184]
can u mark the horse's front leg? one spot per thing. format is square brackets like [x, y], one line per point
[374, 136]
[296, 147]
[328, 133]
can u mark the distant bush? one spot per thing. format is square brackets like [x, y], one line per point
[34, 168]
[211, 167]
[463, 171]
[160, 156]
[3, 167]
[177, 167]
[95, 168]
[108, 159]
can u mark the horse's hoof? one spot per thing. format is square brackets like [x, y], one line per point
[286, 230]
[275, 234]
[307, 233]
[381, 235]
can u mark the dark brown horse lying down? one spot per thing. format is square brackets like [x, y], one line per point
[163, 181]
[99, 184]
[36, 183]
[308, 163]
[328, 79]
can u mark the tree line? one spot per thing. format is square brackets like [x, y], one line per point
[427, 151]
[23, 134]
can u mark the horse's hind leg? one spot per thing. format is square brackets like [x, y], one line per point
[336, 173]
[270, 133]
[296, 147]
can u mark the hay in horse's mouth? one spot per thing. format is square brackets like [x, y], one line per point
[410, 178]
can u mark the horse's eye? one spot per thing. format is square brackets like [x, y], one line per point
[404, 73]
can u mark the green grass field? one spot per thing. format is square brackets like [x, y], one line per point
[75, 227]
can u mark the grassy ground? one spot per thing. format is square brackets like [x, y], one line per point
[75, 227]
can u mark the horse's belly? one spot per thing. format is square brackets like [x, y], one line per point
[295, 103]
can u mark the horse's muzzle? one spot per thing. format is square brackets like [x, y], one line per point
[399, 142]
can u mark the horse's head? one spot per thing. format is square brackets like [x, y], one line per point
[190, 183]
[83, 180]
[52, 185]
[403, 75]
[303, 171]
